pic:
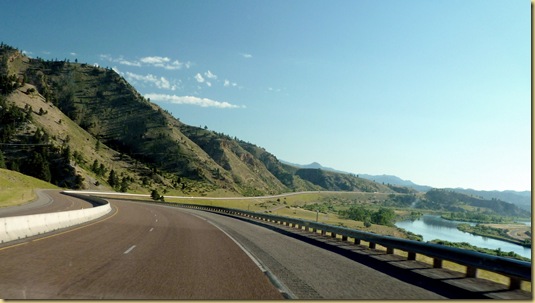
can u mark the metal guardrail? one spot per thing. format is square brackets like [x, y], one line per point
[516, 270]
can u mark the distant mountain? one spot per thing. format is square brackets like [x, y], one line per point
[389, 179]
[450, 200]
[314, 165]
[382, 179]
[521, 199]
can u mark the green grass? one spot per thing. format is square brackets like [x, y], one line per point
[16, 188]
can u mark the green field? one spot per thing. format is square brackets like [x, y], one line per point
[16, 188]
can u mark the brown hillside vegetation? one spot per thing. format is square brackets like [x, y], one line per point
[96, 113]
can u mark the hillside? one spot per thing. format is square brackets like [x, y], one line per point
[520, 199]
[16, 188]
[448, 200]
[87, 127]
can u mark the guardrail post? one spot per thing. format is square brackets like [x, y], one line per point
[357, 241]
[390, 250]
[323, 232]
[437, 263]
[344, 238]
[471, 272]
[333, 235]
[411, 256]
[372, 245]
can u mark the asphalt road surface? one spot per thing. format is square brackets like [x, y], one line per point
[47, 201]
[140, 251]
[147, 251]
[309, 272]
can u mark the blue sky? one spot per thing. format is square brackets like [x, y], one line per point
[437, 92]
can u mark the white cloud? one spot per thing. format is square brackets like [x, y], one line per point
[246, 56]
[210, 75]
[199, 78]
[227, 83]
[122, 61]
[119, 60]
[73, 54]
[190, 100]
[156, 61]
[159, 82]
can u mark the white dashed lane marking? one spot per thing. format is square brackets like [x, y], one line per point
[130, 249]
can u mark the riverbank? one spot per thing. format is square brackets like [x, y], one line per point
[494, 252]
[502, 232]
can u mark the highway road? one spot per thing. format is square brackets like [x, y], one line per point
[47, 201]
[148, 251]
[138, 252]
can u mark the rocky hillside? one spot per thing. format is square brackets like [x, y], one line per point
[93, 129]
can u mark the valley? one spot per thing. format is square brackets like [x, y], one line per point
[78, 126]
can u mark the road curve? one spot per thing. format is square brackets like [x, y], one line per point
[47, 201]
[308, 272]
[141, 251]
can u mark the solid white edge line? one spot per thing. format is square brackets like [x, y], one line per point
[276, 282]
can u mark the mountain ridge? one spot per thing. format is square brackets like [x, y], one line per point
[519, 198]
[125, 142]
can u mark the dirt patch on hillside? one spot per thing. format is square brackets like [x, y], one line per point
[516, 231]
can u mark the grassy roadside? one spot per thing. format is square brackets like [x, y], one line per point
[290, 206]
[16, 188]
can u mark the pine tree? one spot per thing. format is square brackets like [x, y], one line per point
[113, 180]
[2, 161]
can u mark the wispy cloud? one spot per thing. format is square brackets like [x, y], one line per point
[164, 62]
[199, 78]
[190, 100]
[120, 60]
[227, 83]
[73, 54]
[155, 61]
[246, 56]
[159, 82]
[210, 75]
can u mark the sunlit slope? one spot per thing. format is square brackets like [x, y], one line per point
[16, 188]
[97, 114]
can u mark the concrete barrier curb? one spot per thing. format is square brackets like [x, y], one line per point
[19, 227]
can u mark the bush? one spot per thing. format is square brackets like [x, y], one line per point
[155, 195]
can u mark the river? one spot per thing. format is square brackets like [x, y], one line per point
[434, 227]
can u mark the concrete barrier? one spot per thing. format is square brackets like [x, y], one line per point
[20, 227]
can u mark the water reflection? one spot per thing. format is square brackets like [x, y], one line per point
[434, 227]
